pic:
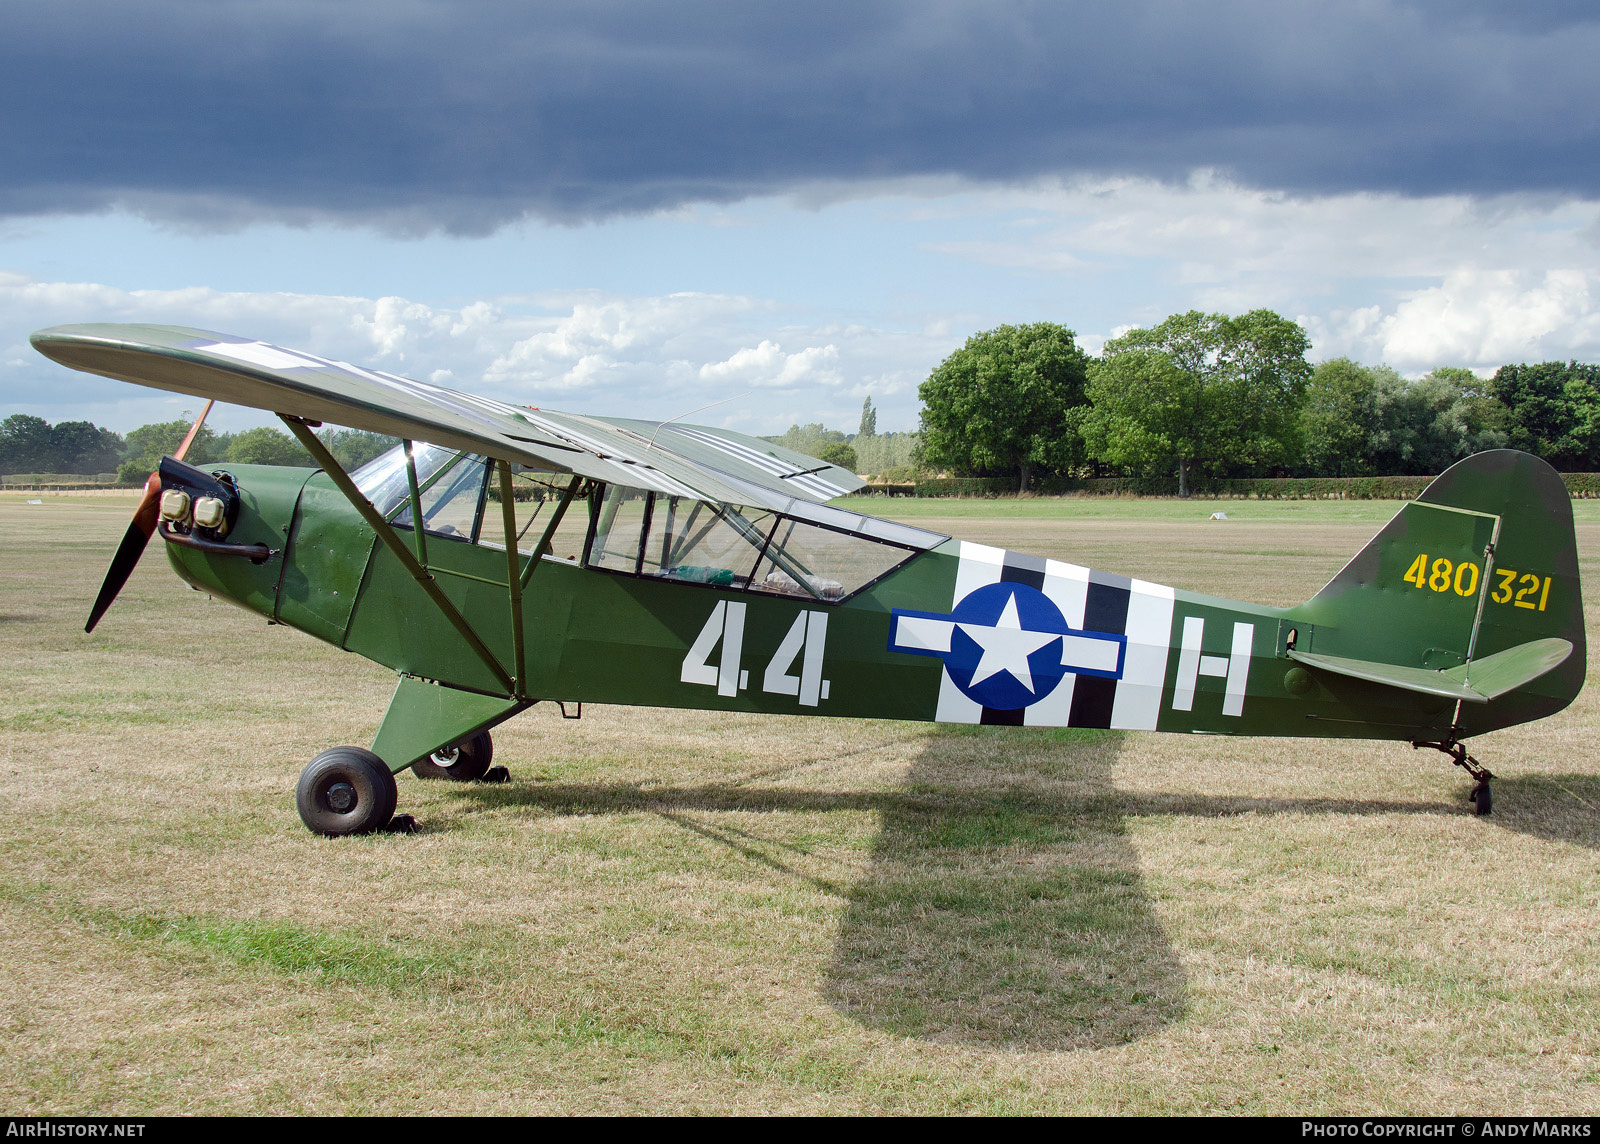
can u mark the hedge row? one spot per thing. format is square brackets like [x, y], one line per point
[1580, 485]
[59, 479]
[57, 487]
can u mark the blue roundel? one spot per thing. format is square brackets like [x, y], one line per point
[1005, 651]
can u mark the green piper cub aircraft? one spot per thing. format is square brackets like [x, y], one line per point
[524, 555]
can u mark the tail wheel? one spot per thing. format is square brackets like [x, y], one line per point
[461, 763]
[1482, 798]
[346, 790]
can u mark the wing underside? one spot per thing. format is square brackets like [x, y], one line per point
[681, 460]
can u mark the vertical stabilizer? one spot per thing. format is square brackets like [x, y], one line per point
[1483, 561]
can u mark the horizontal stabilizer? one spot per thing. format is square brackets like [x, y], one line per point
[1494, 675]
[1491, 677]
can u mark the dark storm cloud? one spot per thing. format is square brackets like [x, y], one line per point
[416, 115]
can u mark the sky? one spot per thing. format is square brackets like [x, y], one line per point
[638, 208]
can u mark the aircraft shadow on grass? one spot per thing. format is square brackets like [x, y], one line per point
[1556, 808]
[1004, 904]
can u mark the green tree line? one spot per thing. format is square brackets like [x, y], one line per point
[1214, 395]
[31, 444]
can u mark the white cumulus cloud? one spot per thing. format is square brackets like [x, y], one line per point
[590, 352]
[767, 366]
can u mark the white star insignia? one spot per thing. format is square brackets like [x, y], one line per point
[1006, 647]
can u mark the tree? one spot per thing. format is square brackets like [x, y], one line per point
[1358, 420]
[1000, 403]
[1553, 411]
[267, 446]
[883, 452]
[31, 445]
[869, 419]
[353, 448]
[1202, 390]
[1354, 421]
[1454, 416]
[80, 447]
[808, 439]
[839, 454]
[26, 445]
[149, 443]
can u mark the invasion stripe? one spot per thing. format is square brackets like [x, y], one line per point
[811, 482]
[1105, 610]
[1067, 586]
[1144, 668]
[808, 482]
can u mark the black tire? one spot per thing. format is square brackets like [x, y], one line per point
[346, 790]
[462, 763]
[1482, 799]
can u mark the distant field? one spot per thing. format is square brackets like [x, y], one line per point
[674, 912]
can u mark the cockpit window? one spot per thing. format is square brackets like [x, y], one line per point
[676, 538]
[803, 559]
[382, 480]
[450, 483]
[691, 540]
[535, 495]
[808, 551]
[619, 530]
[453, 502]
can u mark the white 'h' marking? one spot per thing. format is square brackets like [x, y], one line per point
[1192, 664]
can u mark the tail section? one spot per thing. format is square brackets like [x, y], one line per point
[1472, 589]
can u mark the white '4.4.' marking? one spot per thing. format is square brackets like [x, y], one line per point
[726, 626]
[810, 630]
[806, 641]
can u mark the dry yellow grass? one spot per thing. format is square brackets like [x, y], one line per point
[674, 911]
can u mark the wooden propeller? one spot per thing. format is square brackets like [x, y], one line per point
[140, 529]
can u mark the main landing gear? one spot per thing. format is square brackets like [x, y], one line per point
[350, 790]
[1482, 795]
[464, 762]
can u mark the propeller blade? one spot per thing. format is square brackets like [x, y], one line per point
[138, 535]
[194, 431]
[140, 529]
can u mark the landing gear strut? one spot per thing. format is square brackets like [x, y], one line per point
[1481, 796]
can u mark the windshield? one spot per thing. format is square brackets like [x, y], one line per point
[383, 479]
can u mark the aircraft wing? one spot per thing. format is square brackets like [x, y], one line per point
[683, 460]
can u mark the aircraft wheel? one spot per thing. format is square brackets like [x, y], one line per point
[462, 763]
[1482, 799]
[346, 790]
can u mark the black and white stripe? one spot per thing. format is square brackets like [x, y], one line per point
[811, 483]
[1089, 601]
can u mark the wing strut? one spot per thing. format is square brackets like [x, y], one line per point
[550, 529]
[336, 472]
[418, 521]
[508, 514]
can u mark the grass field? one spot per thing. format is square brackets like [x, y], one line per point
[673, 912]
